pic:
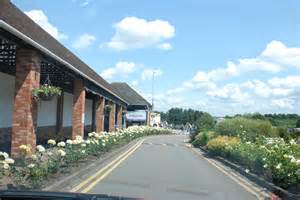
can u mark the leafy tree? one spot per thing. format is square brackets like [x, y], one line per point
[205, 122]
[298, 123]
[179, 116]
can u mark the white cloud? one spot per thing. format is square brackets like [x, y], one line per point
[270, 88]
[147, 74]
[121, 68]
[230, 91]
[39, 17]
[83, 41]
[279, 52]
[165, 46]
[273, 59]
[283, 103]
[134, 83]
[175, 90]
[289, 81]
[133, 32]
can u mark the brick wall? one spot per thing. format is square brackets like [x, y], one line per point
[100, 102]
[120, 110]
[78, 108]
[25, 107]
[112, 115]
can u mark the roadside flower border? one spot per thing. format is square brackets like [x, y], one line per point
[31, 170]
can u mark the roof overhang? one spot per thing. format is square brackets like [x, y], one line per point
[46, 51]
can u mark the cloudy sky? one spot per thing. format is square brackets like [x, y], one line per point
[222, 57]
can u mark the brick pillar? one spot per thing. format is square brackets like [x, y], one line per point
[148, 117]
[119, 120]
[78, 108]
[112, 119]
[100, 103]
[25, 106]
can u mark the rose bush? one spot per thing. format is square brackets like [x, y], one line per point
[32, 169]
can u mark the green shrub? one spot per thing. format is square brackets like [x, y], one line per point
[202, 138]
[245, 128]
[205, 122]
[221, 144]
[273, 158]
[283, 133]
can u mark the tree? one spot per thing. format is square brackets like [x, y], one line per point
[298, 123]
[205, 122]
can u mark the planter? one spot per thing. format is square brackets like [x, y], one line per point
[44, 97]
[46, 92]
[107, 108]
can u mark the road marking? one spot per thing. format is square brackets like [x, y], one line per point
[86, 181]
[235, 178]
[92, 184]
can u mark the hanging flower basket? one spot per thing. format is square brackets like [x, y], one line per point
[107, 108]
[46, 92]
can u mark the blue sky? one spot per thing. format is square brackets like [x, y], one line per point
[221, 57]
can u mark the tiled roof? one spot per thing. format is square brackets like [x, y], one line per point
[129, 94]
[13, 16]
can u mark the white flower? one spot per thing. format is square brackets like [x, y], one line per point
[83, 145]
[33, 157]
[40, 148]
[248, 142]
[4, 154]
[49, 153]
[247, 171]
[69, 142]
[264, 159]
[298, 162]
[9, 161]
[293, 160]
[61, 152]
[52, 142]
[265, 166]
[87, 141]
[31, 165]
[83, 151]
[5, 166]
[91, 134]
[61, 144]
[293, 142]
[278, 166]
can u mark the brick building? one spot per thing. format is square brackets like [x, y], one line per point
[28, 57]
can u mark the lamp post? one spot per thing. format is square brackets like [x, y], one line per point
[153, 74]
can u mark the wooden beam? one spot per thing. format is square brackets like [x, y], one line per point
[59, 112]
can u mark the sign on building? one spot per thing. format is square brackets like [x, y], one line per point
[136, 116]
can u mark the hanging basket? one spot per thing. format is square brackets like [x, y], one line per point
[107, 108]
[46, 92]
[44, 97]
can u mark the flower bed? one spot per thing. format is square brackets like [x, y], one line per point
[33, 169]
[275, 159]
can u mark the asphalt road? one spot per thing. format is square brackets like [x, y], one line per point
[164, 168]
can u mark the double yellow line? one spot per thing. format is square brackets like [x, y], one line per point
[243, 183]
[86, 185]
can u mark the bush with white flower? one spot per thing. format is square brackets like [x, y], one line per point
[33, 169]
[276, 159]
[5, 163]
